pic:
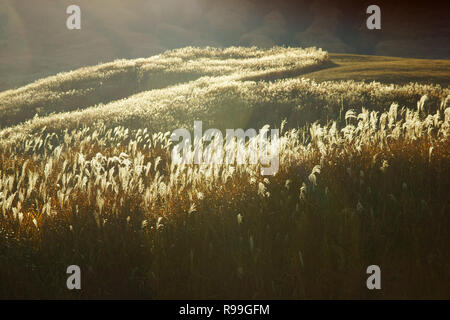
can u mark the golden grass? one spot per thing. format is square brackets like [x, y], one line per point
[364, 181]
[119, 79]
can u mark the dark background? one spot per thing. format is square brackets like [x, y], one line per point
[34, 40]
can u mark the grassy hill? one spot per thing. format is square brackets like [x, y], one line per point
[104, 83]
[31, 49]
[102, 92]
[384, 69]
[363, 178]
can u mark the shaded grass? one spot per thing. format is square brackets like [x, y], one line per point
[384, 69]
[381, 201]
[77, 189]
[104, 83]
[315, 248]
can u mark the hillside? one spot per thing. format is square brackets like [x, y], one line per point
[89, 86]
[362, 178]
[31, 49]
[107, 84]
[385, 70]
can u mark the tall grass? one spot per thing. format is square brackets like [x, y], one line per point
[361, 181]
[227, 102]
[111, 201]
[119, 79]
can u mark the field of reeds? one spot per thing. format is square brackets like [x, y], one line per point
[86, 178]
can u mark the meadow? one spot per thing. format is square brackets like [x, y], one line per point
[86, 178]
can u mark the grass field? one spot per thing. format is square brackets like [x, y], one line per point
[385, 70]
[86, 178]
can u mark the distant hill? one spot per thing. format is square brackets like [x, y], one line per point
[237, 86]
[121, 79]
[34, 42]
[384, 69]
